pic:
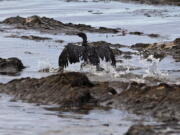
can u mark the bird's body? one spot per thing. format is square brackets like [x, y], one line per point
[89, 54]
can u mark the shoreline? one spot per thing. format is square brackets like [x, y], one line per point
[153, 2]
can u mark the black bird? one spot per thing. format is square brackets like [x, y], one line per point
[89, 54]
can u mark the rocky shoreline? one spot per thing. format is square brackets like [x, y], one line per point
[69, 90]
[160, 50]
[155, 2]
[50, 25]
[75, 91]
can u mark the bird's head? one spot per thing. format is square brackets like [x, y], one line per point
[83, 36]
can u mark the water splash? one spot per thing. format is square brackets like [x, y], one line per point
[109, 71]
[144, 70]
[152, 68]
[46, 66]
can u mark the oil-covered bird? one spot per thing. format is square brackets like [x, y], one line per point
[87, 53]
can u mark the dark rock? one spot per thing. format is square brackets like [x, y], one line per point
[106, 125]
[30, 37]
[156, 2]
[106, 29]
[50, 25]
[99, 43]
[161, 101]
[75, 79]
[143, 34]
[147, 14]
[15, 20]
[68, 90]
[159, 55]
[10, 66]
[141, 130]
[1, 30]
[136, 33]
[140, 46]
[117, 51]
[160, 50]
[177, 42]
[59, 41]
[154, 35]
[127, 56]
[27, 52]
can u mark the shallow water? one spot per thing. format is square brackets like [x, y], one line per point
[22, 118]
[29, 119]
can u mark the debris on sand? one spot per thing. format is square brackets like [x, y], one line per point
[10, 66]
[49, 25]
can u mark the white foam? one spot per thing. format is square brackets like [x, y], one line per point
[152, 68]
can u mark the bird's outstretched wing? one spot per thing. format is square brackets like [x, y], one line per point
[71, 54]
[74, 53]
[105, 52]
